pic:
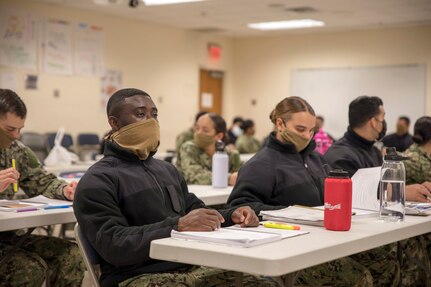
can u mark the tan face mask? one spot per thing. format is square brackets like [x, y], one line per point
[141, 138]
[5, 139]
[203, 140]
[291, 137]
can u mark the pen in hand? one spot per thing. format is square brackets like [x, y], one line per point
[15, 185]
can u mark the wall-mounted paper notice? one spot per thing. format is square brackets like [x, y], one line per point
[207, 100]
[18, 39]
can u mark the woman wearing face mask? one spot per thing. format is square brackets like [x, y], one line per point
[195, 157]
[286, 172]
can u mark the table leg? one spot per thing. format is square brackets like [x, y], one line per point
[289, 280]
[238, 279]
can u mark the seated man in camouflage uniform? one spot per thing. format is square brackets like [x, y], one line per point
[39, 258]
[128, 199]
[194, 160]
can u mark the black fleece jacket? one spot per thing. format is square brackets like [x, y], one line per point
[278, 176]
[353, 152]
[123, 203]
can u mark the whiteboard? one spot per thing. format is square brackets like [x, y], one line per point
[329, 91]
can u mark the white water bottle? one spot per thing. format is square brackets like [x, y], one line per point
[220, 166]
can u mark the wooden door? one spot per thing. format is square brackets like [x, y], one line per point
[210, 91]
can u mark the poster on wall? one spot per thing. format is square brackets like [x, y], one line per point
[57, 47]
[88, 50]
[18, 43]
[111, 82]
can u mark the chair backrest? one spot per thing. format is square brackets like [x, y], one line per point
[66, 142]
[88, 139]
[36, 142]
[90, 256]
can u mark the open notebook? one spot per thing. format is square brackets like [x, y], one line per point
[226, 236]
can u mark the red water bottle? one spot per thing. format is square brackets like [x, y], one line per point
[338, 201]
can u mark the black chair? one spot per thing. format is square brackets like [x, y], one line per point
[66, 142]
[36, 142]
[88, 146]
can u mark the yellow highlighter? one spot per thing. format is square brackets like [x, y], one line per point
[280, 225]
[15, 185]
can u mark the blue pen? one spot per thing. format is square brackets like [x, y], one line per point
[57, 206]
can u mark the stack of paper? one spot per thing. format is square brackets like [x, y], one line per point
[226, 236]
[283, 232]
[295, 214]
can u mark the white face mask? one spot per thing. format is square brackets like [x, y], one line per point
[237, 131]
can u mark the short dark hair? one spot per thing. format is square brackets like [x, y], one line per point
[246, 124]
[237, 120]
[118, 98]
[199, 114]
[10, 102]
[219, 123]
[362, 109]
[406, 119]
[422, 130]
[320, 118]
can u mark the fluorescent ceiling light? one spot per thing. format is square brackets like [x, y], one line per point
[291, 24]
[166, 2]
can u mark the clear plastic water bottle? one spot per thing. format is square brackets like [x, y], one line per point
[392, 187]
[220, 166]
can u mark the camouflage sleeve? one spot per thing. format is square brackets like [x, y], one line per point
[193, 170]
[34, 179]
[182, 138]
[234, 161]
[416, 168]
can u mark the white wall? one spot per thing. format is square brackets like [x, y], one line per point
[165, 62]
[162, 61]
[262, 66]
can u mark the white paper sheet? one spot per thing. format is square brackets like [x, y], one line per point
[365, 187]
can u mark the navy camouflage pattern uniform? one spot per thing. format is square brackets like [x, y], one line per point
[418, 170]
[183, 137]
[195, 165]
[39, 258]
[247, 144]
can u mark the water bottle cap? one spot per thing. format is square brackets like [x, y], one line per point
[392, 155]
[340, 173]
[220, 146]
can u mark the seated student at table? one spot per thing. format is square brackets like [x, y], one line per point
[234, 131]
[128, 198]
[401, 139]
[418, 166]
[356, 150]
[194, 159]
[187, 135]
[39, 258]
[287, 172]
[247, 143]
